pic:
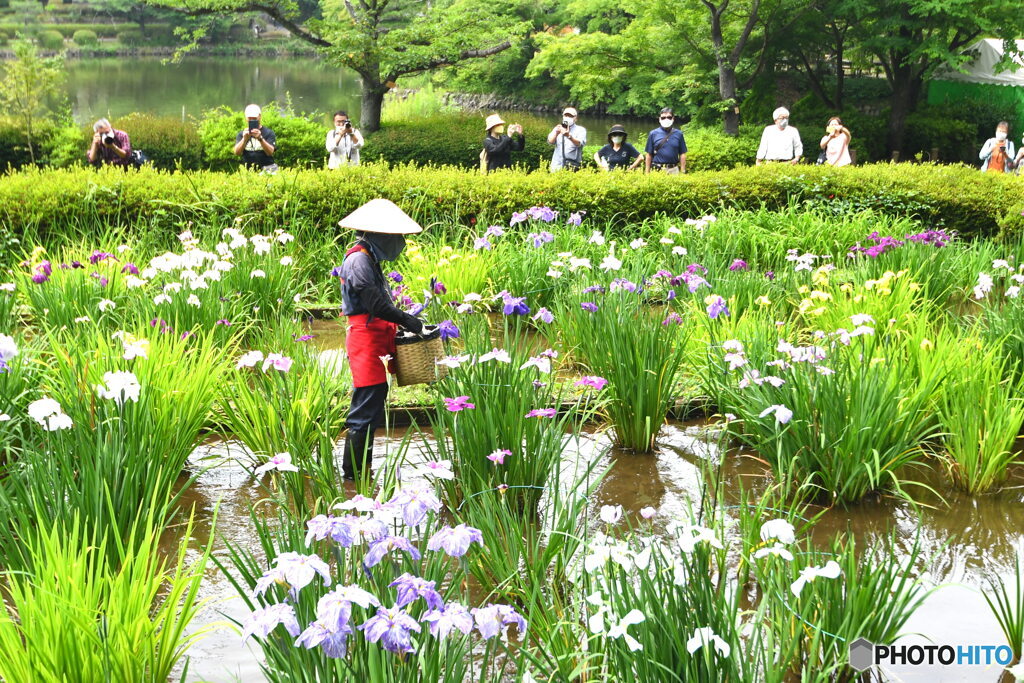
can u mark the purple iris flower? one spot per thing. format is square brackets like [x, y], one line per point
[443, 621]
[671, 295]
[589, 306]
[542, 213]
[437, 287]
[378, 549]
[98, 256]
[672, 319]
[622, 283]
[494, 231]
[517, 218]
[415, 310]
[738, 264]
[542, 412]
[332, 643]
[457, 404]
[494, 620]
[482, 243]
[516, 306]
[545, 316]
[393, 627]
[305, 338]
[540, 238]
[396, 276]
[717, 307]
[337, 529]
[594, 288]
[662, 273]
[336, 271]
[448, 329]
[411, 588]
[455, 541]
[592, 381]
[77, 264]
[769, 275]
[334, 609]
[936, 238]
[40, 278]
[223, 321]
[575, 218]
[130, 268]
[694, 267]
[415, 503]
[262, 621]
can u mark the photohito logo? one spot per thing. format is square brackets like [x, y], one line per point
[864, 654]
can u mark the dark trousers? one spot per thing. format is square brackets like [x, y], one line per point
[365, 415]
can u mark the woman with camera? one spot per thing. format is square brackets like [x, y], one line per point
[498, 146]
[109, 146]
[343, 142]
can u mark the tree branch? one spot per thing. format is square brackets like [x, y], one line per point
[446, 61]
[271, 11]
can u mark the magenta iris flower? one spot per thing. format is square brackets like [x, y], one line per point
[542, 412]
[458, 403]
[444, 621]
[672, 319]
[380, 548]
[411, 588]
[130, 268]
[393, 627]
[738, 264]
[98, 256]
[498, 457]
[592, 381]
[438, 287]
[455, 541]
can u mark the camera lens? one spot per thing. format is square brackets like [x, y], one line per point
[108, 139]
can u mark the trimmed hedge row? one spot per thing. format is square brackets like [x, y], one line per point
[954, 197]
[68, 30]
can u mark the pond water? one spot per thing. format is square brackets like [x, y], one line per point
[963, 541]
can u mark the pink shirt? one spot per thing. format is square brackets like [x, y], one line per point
[837, 150]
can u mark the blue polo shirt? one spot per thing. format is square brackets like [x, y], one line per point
[669, 153]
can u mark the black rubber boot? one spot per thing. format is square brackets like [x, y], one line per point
[358, 454]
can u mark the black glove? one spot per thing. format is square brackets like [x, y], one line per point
[411, 322]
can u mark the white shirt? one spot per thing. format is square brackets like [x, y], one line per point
[344, 149]
[780, 144]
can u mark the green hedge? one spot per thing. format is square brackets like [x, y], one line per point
[955, 197]
[51, 40]
[69, 30]
[85, 38]
[300, 139]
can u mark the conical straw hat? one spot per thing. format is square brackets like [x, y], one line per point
[383, 216]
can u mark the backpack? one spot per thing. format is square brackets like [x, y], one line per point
[139, 158]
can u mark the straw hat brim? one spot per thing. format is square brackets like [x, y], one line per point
[492, 121]
[381, 216]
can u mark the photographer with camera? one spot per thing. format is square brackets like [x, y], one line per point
[343, 142]
[568, 139]
[498, 146]
[109, 146]
[257, 143]
[997, 153]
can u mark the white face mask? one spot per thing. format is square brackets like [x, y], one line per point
[617, 139]
[1000, 136]
[783, 123]
[666, 123]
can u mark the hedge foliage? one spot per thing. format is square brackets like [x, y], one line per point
[85, 38]
[69, 30]
[51, 40]
[955, 197]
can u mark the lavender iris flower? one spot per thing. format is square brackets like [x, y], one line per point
[738, 264]
[482, 243]
[415, 503]
[334, 609]
[517, 218]
[448, 329]
[393, 627]
[455, 541]
[717, 307]
[494, 231]
[332, 643]
[299, 570]
[411, 588]
[575, 218]
[594, 288]
[589, 306]
[337, 529]
[443, 621]
[515, 306]
[262, 621]
[544, 315]
[380, 548]
[494, 620]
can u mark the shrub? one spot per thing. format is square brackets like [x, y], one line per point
[166, 140]
[4, 38]
[130, 37]
[85, 38]
[51, 40]
[300, 138]
[955, 197]
[954, 139]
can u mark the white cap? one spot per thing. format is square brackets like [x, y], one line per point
[781, 111]
[252, 111]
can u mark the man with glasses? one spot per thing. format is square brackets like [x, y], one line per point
[568, 139]
[666, 146]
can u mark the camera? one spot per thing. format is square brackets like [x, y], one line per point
[253, 125]
[108, 138]
[348, 125]
[566, 123]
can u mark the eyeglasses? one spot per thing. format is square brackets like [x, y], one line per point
[667, 118]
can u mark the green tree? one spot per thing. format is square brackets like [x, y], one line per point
[384, 40]
[29, 82]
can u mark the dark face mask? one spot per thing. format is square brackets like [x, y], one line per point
[385, 247]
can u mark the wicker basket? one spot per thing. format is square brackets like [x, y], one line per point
[415, 358]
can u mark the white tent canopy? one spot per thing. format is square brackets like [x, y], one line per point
[983, 68]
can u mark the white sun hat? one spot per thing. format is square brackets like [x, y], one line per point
[253, 111]
[492, 121]
[383, 216]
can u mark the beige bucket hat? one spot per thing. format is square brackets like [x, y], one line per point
[383, 216]
[492, 121]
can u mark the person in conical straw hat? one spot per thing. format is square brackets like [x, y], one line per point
[373, 320]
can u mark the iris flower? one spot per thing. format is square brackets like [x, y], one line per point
[262, 621]
[453, 616]
[282, 462]
[393, 627]
[457, 404]
[455, 541]
[411, 588]
[542, 412]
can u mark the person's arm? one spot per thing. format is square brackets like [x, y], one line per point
[497, 145]
[357, 139]
[240, 141]
[986, 149]
[682, 153]
[333, 140]
[582, 140]
[647, 162]
[649, 153]
[553, 135]
[798, 147]
[518, 140]
[94, 149]
[268, 141]
[824, 141]
[362, 277]
[762, 149]
[636, 156]
[123, 149]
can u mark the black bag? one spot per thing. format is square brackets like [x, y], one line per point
[138, 158]
[822, 158]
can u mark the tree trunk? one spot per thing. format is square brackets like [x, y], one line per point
[906, 86]
[727, 91]
[840, 74]
[370, 106]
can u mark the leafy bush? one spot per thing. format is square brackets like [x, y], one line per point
[4, 38]
[51, 40]
[955, 197]
[954, 139]
[85, 38]
[300, 138]
[166, 140]
[130, 37]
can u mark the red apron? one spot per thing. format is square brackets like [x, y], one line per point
[365, 343]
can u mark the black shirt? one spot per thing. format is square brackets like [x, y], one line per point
[253, 154]
[621, 159]
[499, 150]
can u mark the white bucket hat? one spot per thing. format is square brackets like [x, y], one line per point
[383, 216]
[253, 111]
[781, 111]
[492, 121]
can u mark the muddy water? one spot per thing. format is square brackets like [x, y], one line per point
[966, 540]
